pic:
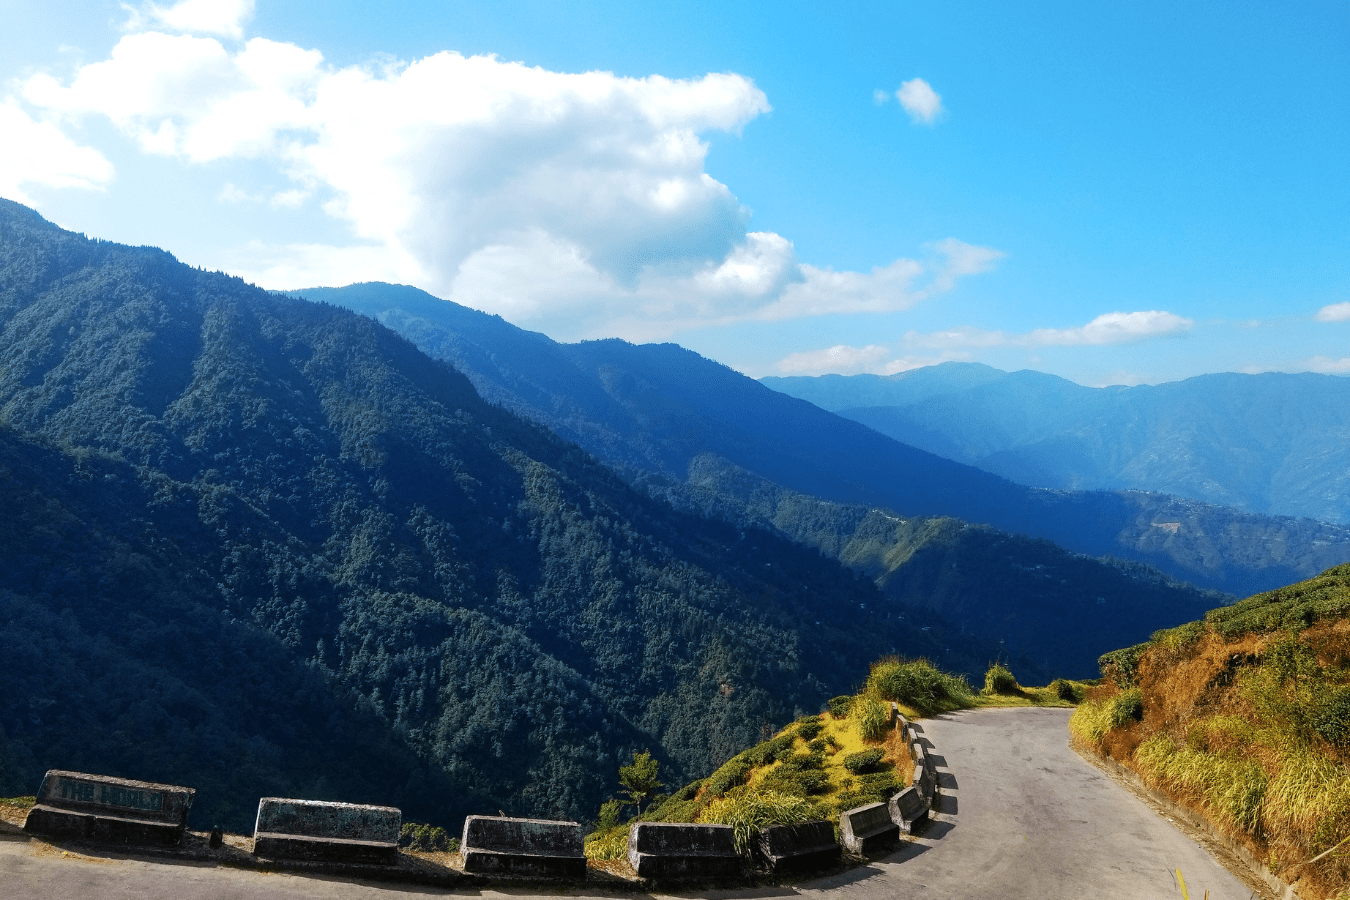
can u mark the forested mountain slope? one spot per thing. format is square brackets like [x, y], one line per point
[1272, 443]
[652, 410]
[259, 545]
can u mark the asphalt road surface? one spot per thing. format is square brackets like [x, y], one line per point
[1021, 817]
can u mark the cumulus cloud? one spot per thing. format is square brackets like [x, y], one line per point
[577, 202]
[1109, 328]
[874, 359]
[35, 153]
[1329, 366]
[919, 100]
[223, 17]
[1336, 312]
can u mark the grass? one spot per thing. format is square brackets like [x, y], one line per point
[1245, 718]
[821, 765]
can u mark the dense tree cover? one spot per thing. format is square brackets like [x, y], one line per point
[258, 545]
[653, 410]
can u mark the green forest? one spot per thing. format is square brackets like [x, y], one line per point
[258, 546]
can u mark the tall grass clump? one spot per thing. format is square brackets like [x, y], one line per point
[612, 844]
[1094, 719]
[870, 717]
[748, 812]
[998, 680]
[920, 685]
[1231, 788]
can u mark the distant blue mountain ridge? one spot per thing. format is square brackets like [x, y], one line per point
[657, 412]
[1272, 443]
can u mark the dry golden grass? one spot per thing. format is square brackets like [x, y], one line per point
[1225, 731]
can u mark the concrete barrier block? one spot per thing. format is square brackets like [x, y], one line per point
[81, 806]
[314, 830]
[799, 848]
[533, 847]
[672, 851]
[908, 809]
[868, 829]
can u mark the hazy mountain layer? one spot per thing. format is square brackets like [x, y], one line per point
[652, 410]
[1271, 443]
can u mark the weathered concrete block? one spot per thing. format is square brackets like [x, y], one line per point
[908, 809]
[925, 781]
[798, 848]
[667, 850]
[536, 847]
[868, 829]
[96, 807]
[314, 830]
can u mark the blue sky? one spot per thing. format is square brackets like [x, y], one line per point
[1123, 195]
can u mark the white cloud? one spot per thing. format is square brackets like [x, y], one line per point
[223, 17]
[577, 202]
[1336, 312]
[35, 153]
[880, 97]
[919, 100]
[1109, 328]
[1114, 328]
[840, 360]
[1329, 366]
[874, 359]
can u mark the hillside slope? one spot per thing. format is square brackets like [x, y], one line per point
[654, 409]
[1271, 443]
[311, 496]
[1245, 718]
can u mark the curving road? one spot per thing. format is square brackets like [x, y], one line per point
[1022, 817]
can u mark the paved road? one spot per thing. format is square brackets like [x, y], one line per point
[1022, 818]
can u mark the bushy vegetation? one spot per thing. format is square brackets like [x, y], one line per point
[1244, 716]
[746, 813]
[998, 680]
[918, 684]
[432, 838]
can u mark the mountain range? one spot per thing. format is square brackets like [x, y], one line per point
[652, 410]
[1271, 443]
[261, 545]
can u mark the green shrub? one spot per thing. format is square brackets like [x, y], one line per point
[1066, 690]
[998, 680]
[750, 812]
[1127, 706]
[802, 762]
[429, 838]
[1122, 666]
[919, 684]
[866, 761]
[1331, 718]
[839, 706]
[732, 774]
[879, 784]
[809, 727]
[799, 783]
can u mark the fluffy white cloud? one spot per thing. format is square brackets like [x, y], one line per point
[1336, 312]
[839, 360]
[577, 202]
[919, 100]
[223, 17]
[1329, 366]
[35, 153]
[1109, 328]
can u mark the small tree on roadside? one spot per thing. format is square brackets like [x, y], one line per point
[639, 778]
